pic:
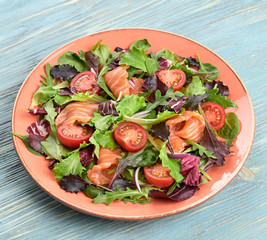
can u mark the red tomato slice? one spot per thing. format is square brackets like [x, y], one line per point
[85, 82]
[174, 77]
[215, 114]
[158, 176]
[131, 136]
[72, 135]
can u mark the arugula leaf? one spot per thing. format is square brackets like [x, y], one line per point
[80, 97]
[194, 88]
[218, 98]
[102, 123]
[230, 128]
[147, 123]
[161, 100]
[73, 59]
[67, 166]
[105, 140]
[52, 146]
[130, 104]
[26, 141]
[207, 71]
[48, 79]
[202, 150]
[172, 164]
[128, 195]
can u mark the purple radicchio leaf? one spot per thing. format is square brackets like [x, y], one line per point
[211, 143]
[223, 89]
[195, 100]
[35, 142]
[164, 63]
[179, 194]
[177, 105]
[66, 92]
[42, 111]
[63, 72]
[41, 128]
[189, 169]
[87, 155]
[108, 108]
[92, 62]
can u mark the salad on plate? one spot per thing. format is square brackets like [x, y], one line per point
[131, 124]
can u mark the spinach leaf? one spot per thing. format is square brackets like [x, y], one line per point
[103, 52]
[230, 128]
[194, 88]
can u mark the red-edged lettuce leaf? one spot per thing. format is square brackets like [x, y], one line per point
[92, 61]
[67, 91]
[194, 101]
[177, 105]
[178, 194]
[211, 143]
[87, 155]
[223, 89]
[108, 108]
[42, 111]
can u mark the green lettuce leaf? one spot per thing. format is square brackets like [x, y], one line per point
[73, 59]
[103, 52]
[105, 140]
[52, 146]
[194, 88]
[67, 166]
[130, 104]
[102, 123]
[125, 196]
[172, 164]
[80, 97]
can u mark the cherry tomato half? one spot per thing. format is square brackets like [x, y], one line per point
[85, 82]
[131, 136]
[174, 77]
[158, 175]
[72, 135]
[215, 114]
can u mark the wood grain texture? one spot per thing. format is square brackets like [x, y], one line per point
[30, 30]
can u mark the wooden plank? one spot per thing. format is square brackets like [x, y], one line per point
[30, 30]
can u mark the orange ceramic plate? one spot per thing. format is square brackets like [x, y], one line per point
[221, 176]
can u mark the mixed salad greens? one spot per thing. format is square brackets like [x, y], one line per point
[138, 124]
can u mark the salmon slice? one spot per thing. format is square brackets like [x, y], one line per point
[138, 83]
[177, 143]
[189, 126]
[80, 112]
[117, 81]
[106, 162]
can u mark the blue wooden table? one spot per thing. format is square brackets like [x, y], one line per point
[236, 30]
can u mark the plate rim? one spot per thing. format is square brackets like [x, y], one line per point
[153, 216]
